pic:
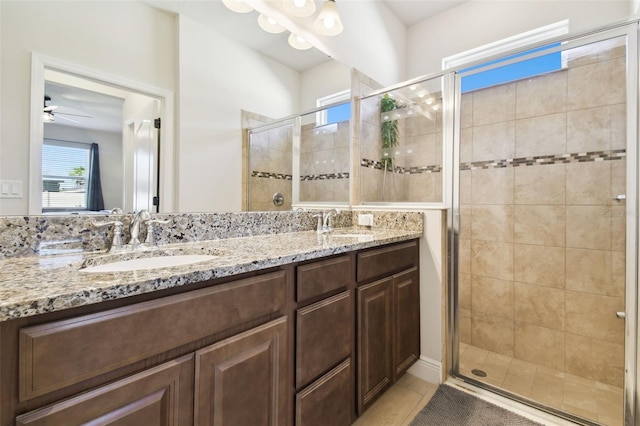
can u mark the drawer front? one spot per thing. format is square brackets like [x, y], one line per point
[328, 400]
[318, 278]
[323, 336]
[160, 396]
[386, 260]
[58, 354]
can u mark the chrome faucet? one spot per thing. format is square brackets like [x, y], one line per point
[134, 228]
[326, 220]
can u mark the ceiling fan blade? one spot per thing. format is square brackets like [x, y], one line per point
[50, 108]
[73, 115]
[65, 118]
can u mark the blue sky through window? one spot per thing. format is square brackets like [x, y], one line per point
[512, 72]
[339, 113]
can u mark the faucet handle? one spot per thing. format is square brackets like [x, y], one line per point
[150, 238]
[118, 228]
[320, 220]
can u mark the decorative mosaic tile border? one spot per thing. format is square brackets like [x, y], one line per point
[323, 176]
[541, 160]
[375, 164]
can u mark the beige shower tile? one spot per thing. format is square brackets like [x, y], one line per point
[589, 130]
[540, 184]
[492, 333]
[542, 225]
[618, 218]
[496, 367]
[465, 222]
[543, 135]
[473, 356]
[466, 110]
[588, 227]
[595, 271]
[494, 141]
[544, 94]
[491, 296]
[593, 315]
[466, 145]
[541, 306]
[371, 184]
[280, 138]
[464, 291]
[519, 378]
[619, 126]
[610, 406]
[618, 180]
[602, 83]
[420, 151]
[541, 265]
[539, 345]
[589, 183]
[492, 186]
[465, 187]
[465, 326]
[492, 223]
[420, 125]
[423, 187]
[494, 105]
[492, 259]
[619, 51]
[594, 359]
[464, 256]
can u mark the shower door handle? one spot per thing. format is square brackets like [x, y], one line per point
[621, 314]
[620, 197]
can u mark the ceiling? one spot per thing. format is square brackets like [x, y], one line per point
[94, 109]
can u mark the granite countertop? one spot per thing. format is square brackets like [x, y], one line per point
[40, 284]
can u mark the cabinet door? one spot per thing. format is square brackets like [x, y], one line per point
[243, 380]
[162, 395]
[406, 312]
[328, 400]
[374, 341]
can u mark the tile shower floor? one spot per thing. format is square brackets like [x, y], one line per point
[589, 399]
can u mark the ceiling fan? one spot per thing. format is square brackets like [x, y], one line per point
[49, 117]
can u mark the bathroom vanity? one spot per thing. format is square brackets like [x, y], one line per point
[282, 329]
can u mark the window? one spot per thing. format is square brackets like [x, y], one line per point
[337, 113]
[515, 71]
[65, 167]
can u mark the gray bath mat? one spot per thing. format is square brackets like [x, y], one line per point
[450, 406]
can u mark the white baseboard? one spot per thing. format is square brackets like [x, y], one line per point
[427, 369]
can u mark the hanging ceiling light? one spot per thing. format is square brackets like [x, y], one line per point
[328, 21]
[239, 6]
[269, 24]
[298, 42]
[299, 8]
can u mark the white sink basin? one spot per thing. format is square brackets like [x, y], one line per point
[149, 263]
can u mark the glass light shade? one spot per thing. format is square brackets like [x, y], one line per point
[269, 25]
[328, 21]
[299, 8]
[298, 42]
[238, 6]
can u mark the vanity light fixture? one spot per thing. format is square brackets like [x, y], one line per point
[239, 6]
[270, 25]
[328, 22]
[298, 42]
[299, 8]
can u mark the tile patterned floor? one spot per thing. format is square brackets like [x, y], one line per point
[589, 399]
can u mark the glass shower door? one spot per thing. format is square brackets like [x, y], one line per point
[542, 179]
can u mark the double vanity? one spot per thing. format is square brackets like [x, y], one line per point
[274, 328]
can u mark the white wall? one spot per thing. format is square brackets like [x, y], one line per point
[110, 144]
[128, 39]
[323, 80]
[479, 22]
[218, 77]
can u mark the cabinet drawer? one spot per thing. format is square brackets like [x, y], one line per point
[328, 400]
[58, 354]
[162, 395]
[386, 260]
[323, 336]
[318, 278]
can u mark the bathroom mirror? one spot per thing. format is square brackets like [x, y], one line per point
[36, 41]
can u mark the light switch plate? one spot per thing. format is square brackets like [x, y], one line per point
[10, 189]
[365, 219]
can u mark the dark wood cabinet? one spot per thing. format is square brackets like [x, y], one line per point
[375, 372]
[388, 319]
[162, 395]
[243, 380]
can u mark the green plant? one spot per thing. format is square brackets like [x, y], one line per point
[77, 171]
[389, 131]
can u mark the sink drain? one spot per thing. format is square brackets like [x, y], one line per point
[478, 373]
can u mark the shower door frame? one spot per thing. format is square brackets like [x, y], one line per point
[632, 355]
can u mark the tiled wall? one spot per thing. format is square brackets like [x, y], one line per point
[542, 241]
[270, 168]
[417, 175]
[324, 163]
